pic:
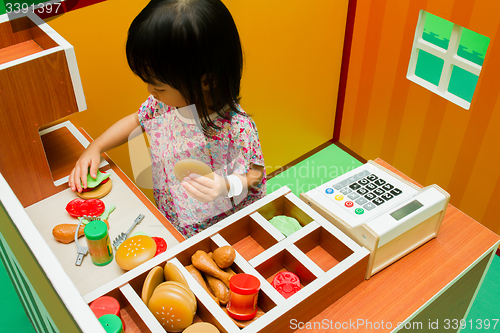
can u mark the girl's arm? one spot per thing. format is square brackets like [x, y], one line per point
[252, 178]
[205, 189]
[113, 137]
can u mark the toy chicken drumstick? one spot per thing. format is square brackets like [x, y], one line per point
[204, 263]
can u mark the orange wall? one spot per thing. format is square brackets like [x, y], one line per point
[293, 55]
[292, 66]
[423, 135]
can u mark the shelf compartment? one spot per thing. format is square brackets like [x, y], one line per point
[288, 206]
[323, 248]
[133, 321]
[207, 245]
[248, 237]
[267, 294]
[23, 38]
[133, 290]
[63, 144]
[285, 261]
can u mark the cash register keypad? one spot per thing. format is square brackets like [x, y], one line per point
[366, 189]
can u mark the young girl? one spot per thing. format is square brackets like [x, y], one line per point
[189, 54]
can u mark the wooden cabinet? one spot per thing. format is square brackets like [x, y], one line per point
[39, 84]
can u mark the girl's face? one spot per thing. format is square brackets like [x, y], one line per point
[166, 94]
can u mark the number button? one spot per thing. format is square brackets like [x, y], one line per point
[355, 186]
[378, 201]
[372, 177]
[370, 196]
[349, 204]
[379, 182]
[339, 197]
[329, 190]
[379, 191]
[396, 191]
[387, 196]
[362, 191]
[387, 187]
[371, 186]
[363, 181]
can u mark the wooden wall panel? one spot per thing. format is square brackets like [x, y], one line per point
[32, 94]
[425, 136]
[14, 32]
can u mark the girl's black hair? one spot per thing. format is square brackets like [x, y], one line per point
[178, 41]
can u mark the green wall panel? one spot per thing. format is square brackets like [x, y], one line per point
[42, 304]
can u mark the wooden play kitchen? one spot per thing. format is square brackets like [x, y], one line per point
[328, 263]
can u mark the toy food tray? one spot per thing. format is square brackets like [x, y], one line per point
[328, 263]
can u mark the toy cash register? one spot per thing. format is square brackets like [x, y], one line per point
[381, 211]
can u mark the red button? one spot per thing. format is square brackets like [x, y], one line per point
[349, 204]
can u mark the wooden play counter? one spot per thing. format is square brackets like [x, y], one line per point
[438, 281]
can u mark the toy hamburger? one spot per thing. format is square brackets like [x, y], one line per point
[96, 188]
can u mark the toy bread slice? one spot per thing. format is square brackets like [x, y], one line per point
[153, 280]
[97, 192]
[184, 168]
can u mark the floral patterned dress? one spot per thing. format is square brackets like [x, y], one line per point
[175, 134]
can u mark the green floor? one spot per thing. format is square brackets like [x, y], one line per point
[13, 318]
[310, 173]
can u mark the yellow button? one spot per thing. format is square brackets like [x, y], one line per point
[339, 197]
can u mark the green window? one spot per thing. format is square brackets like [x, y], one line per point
[429, 67]
[447, 58]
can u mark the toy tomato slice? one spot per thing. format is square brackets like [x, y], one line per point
[161, 245]
[71, 207]
[79, 207]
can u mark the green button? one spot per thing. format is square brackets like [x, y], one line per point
[359, 211]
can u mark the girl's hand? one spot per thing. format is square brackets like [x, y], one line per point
[78, 176]
[204, 189]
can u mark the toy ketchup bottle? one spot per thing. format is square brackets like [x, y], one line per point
[98, 242]
[244, 292]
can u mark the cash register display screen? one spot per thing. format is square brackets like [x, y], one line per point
[406, 210]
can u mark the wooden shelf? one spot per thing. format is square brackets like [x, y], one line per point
[62, 150]
[320, 288]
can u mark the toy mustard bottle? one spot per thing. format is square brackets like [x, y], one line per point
[244, 293]
[98, 242]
